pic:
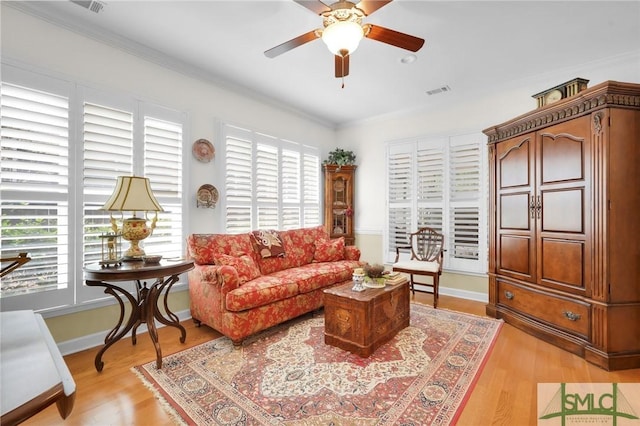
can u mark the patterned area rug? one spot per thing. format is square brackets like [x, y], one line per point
[288, 376]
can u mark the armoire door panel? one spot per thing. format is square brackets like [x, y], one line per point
[515, 211]
[515, 255]
[562, 157]
[562, 211]
[514, 163]
[563, 263]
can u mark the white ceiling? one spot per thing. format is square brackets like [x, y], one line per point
[469, 45]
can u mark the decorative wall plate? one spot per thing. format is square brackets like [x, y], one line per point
[207, 196]
[203, 150]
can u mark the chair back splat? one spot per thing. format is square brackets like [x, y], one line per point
[427, 249]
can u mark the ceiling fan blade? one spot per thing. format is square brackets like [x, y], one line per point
[288, 45]
[342, 66]
[316, 6]
[370, 6]
[395, 38]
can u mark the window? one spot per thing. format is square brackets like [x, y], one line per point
[439, 183]
[62, 147]
[269, 182]
[35, 185]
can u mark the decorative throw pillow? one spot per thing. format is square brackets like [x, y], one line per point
[329, 250]
[244, 264]
[268, 243]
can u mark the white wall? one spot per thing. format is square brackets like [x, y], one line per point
[488, 107]
[38, 45]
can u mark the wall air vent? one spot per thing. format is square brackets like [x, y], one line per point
[438, 90]
[93, 5]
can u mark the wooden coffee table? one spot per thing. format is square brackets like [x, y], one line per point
[360, 322]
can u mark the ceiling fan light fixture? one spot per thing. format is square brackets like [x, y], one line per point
[342, 35]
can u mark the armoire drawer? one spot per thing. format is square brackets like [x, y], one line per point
[570, 315]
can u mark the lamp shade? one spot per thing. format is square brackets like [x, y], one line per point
[132, 193]
[343, 35]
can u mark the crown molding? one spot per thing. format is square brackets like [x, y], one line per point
[149, 54]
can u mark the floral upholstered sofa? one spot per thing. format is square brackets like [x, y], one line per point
[245, 283]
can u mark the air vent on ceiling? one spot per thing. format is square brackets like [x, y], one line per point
[93, 5]
[438, 90]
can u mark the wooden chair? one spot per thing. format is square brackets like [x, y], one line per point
[427, 249]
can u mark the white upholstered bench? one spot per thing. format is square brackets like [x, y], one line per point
[33, 372]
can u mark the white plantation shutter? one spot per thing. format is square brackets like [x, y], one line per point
[430, 173]
[400, 192]
[430, 168]
[34, 182]
[267, 173]
[311, 187]
[107, 154]
[60, 160]
[431, 217]
[110, 150]
[238, 180]
[466, 228]
[439, 183]
[290, 184]
[465, 172]
[163, 166]
[465, 233]
[269, 182]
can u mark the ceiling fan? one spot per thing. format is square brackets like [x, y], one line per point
[343, 29]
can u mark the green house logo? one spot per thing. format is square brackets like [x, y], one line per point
[588, 403]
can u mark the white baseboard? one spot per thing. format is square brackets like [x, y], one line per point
[97, 339]
[462, 294]
[465, 294]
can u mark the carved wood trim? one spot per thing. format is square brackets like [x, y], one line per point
[607, 94]
[597, 122]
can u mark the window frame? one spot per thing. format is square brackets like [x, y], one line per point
[408, 206]
[256, 141]
[77, 296]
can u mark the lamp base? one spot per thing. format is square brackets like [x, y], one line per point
[134, 230]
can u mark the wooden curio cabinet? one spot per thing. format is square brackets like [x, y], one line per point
[564, 251]
[338, 201]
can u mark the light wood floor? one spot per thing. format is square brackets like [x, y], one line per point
[505, 393]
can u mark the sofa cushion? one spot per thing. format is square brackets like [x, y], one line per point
[299, 245]
[267, 243]
[203, 248]
[329, 250]
[244, 264]
[259, 292]
[313, 276]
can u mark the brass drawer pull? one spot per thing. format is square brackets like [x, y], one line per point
[571, 316]
[508, 295]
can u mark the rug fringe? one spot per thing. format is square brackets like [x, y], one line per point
[173, 413]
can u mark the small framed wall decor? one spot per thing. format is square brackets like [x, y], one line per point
[203, 150]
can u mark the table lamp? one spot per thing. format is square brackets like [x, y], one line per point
[133, 193]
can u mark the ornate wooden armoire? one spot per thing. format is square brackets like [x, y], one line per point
[564, 237]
